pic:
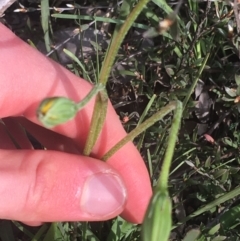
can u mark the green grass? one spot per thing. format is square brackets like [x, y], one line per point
[204, 178]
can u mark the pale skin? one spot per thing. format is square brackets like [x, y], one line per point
[60, 184]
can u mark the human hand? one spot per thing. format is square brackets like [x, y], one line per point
[60, 184]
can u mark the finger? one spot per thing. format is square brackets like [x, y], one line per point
[38, 77]
[51, 140]
[13, 136]
[54, 186]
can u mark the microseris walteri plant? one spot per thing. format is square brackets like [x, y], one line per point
[157, 223]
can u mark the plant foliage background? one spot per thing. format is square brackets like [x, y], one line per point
[152, 69]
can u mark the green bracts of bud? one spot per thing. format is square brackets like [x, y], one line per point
[56, 110]
[158, 219]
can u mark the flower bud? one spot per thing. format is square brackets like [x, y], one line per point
[157, 223]
[56, 110]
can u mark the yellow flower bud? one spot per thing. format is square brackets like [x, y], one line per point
[56, 110]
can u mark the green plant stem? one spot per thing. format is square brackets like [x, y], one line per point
[90, 95]
[142, 127]
[117, 40]
[195, 81]
[45, 15]
[100, 108]
[163, 179]
[97, 117]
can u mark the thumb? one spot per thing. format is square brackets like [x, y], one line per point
[53, 186]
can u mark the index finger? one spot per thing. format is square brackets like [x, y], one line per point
[27, 77]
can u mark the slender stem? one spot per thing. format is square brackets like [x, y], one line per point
[45, 16]
[97, 117]
[163, 179]
[90, 95]
[117, 40]
[100, 108]
[142, 127]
